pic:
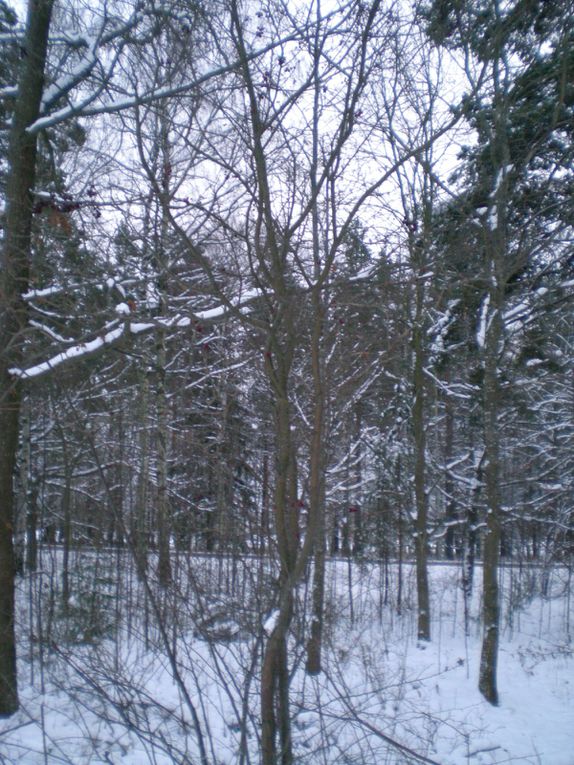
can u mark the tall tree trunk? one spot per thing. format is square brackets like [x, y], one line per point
[140, 547]
[15, 272]
[315, 642]
[164, 562]
[491, 554]
[32, 531]
[275, 690]
[163, 520]
[450, 510]
[264, 528]
[23, 522]
[421, 500]
[317, 490]
[469, 550]
[275, 718]
[400, 535]
[496, 248]
[66, 533]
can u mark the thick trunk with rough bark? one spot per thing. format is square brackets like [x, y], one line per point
[15, 267]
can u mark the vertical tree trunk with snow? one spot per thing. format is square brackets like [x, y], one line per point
[317, 488]
[139, 523]
[163, 530]
[491, 553]
[275, 717]
[421, 500]
[15, 267]
[163, 520]
[469, 548]
[66, 530]
[491, 403]
[449, 484]
[495, 230]
[29, 520]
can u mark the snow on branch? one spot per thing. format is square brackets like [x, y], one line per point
[115, 333]
[82, 350]
[85, 108]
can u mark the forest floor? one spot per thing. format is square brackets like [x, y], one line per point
[129, 677]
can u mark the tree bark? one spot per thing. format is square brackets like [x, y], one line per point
[163, 515]
[317, 490]
[15, 271]
[496, 250]
[421, 500]
[449, 484]
[164, 562]
[489, 656]
[140, 541]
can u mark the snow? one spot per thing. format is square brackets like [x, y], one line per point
[50, 332]
[57, 89]
[492, 220]
[270, 623]
[122, 309]
[382, 693]
[212, 313]
[76, 351]
[46, 292]
[482, 323]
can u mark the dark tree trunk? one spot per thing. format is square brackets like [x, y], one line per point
[421, 547]
[66, 537]
[32, 531]
[489, 655]
[496, 247]
[469, 550]
[15, 267]
[450, 510]
[317, 492]
[315, 642]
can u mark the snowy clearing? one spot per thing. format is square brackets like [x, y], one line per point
[114, 682]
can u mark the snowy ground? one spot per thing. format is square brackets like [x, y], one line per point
[107, 685]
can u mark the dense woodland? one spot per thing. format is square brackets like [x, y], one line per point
[285, 282]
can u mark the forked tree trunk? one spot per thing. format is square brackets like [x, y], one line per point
[275, 718]
[15, 271]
